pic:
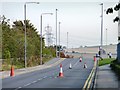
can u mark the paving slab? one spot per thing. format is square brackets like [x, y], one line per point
[106, 78]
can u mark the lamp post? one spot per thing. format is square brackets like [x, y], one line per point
[59, 39]
[56, 32]
[67, 41]
[25, 27]
[41, 37]
[101, 49]
[106, 40]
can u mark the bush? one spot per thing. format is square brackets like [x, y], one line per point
[115, 65]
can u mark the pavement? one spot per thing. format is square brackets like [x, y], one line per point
[49, 64]
[106, 79]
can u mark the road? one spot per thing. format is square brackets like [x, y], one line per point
[48, 78]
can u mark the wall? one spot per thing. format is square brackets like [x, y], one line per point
[118, 46]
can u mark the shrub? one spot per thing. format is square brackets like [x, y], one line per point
[115, 65]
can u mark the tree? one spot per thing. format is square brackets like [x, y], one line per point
[116, 8]
[13, 42]
[117, 19]
[33, 39]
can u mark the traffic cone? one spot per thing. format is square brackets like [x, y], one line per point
[70, 67]
[61, 71]
[80, 59]
[94, 58]
[12, 71]
[85, 65]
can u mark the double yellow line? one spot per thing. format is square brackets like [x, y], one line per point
[89, 79]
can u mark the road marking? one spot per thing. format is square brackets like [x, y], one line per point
[27, 84]
[75, 63]
[39, 79]
[90, 77]
[44, 76]
[17, 88]
[34, 81]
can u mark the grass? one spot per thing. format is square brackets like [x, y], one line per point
[106, 61]
[18, 65]
[47, 59]
[7, 66]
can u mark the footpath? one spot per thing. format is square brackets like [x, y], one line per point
[49, 64]
[106, 79]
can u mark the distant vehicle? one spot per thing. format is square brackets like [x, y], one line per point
[73, 51]
[66, 51]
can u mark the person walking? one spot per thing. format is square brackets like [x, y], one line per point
[110, 55]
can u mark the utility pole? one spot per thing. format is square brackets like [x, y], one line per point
[49, 38]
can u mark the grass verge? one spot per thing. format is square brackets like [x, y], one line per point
[105, 61]
[18, 65]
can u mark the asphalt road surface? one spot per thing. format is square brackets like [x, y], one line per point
[48, 78]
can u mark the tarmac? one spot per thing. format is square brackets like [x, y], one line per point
[106, 79]
[51, 63]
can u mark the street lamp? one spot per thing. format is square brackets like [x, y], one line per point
[25, 26]
[59, 39]
[56, 32]
[101, 28]
[106, 40]
[41, 37]
[67, 41]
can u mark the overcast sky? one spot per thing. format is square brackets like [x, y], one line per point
[80, 18]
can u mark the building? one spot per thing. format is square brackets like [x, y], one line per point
[118, 46]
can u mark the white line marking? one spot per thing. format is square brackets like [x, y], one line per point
[39, 79]
[75, 63]
[27, 84]
[34, 81]
[17, 88]
[44, 76]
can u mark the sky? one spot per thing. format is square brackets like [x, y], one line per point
[81, 19]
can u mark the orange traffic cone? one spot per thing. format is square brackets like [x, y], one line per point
[61, 71]
[80, 59]
[85, 65]
[12, 71]
[70, 67]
